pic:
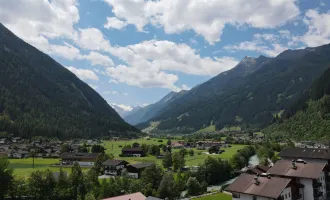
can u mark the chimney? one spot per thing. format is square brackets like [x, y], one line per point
[294, 164]
[257, 182]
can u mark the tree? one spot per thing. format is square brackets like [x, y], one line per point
[77, 183]
[167, 187]
[83, 149]
[194, 187]
[135, 144]
[167, 160]
[65, 148]
[89, 196]
[183, 152]
[213, 149]
[191, 152]
[169, 142]
[178, 161]
[6, 175]
[96, 148]
[152, 174]
[101, 159]
[63, 186]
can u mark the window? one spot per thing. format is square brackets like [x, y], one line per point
[286, 196]
[289, 194]
[236, 195]
[254, 197]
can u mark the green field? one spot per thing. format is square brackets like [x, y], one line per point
[23, 167]
[113, 148]
[219, 196]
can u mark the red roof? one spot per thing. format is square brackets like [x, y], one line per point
[268, 186]
[134, 196]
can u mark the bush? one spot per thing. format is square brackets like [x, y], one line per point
[160, 140]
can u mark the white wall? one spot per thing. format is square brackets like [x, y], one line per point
[308, 189]
[286, 192]
[86, 163]
[133, 175]
[323, 188]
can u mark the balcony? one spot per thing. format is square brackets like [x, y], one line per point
[318, 194]
[316, 184]
[296, 196]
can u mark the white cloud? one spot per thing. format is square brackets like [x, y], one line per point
[115, 23]
[113, 92]
[125, 93]
[37, 21]
[122, 106]
[92, 39]
[98, 59]
[143, 78]
[93, 86]
[149, 63]
[66, 51]
[113, 81]
[206, 18]
[83, 74]
[318, 28]
[268, 44]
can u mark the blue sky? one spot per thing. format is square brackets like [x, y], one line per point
[134, 52]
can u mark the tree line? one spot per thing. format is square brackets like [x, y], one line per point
[154, 181]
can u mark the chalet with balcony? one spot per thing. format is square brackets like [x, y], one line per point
[251, 187]
[135, 170]
[201, 145]
[83, 159]
[114, 167]
[132, 152]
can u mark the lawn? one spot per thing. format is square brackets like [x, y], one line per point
[113, 148]
[23, 167]
[219, 196]
[208, 129]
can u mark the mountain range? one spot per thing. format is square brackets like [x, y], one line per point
[250, 95]
[39, 97]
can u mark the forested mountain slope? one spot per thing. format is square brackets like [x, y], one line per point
[309, 117]
[40, 97]
[152, 110]
[249, 95]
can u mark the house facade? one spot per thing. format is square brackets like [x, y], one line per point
[135, 170]
[114, 167]
[306, 170]
[83, 159]
[132, 152]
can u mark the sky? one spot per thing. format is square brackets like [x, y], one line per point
[134, 52]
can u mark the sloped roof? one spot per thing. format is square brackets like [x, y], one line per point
[303, 153]
[114, 162]
[134, 196]
[268, 187]
[311, 170]
[68, 155]
[141, 165]
[137, 149]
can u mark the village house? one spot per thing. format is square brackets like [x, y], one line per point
[4, 141]
[19, 154]
[177, 145]
[16, 140]
[306, 170]
[114, 167]
[83, 159]
[132, 152]
[251, 187]
[201, 145]
[135, 170]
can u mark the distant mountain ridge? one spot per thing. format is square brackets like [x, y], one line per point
[39, 97]
[144, 114]
[249, 95]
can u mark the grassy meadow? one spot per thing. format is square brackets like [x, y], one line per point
[23, 167]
